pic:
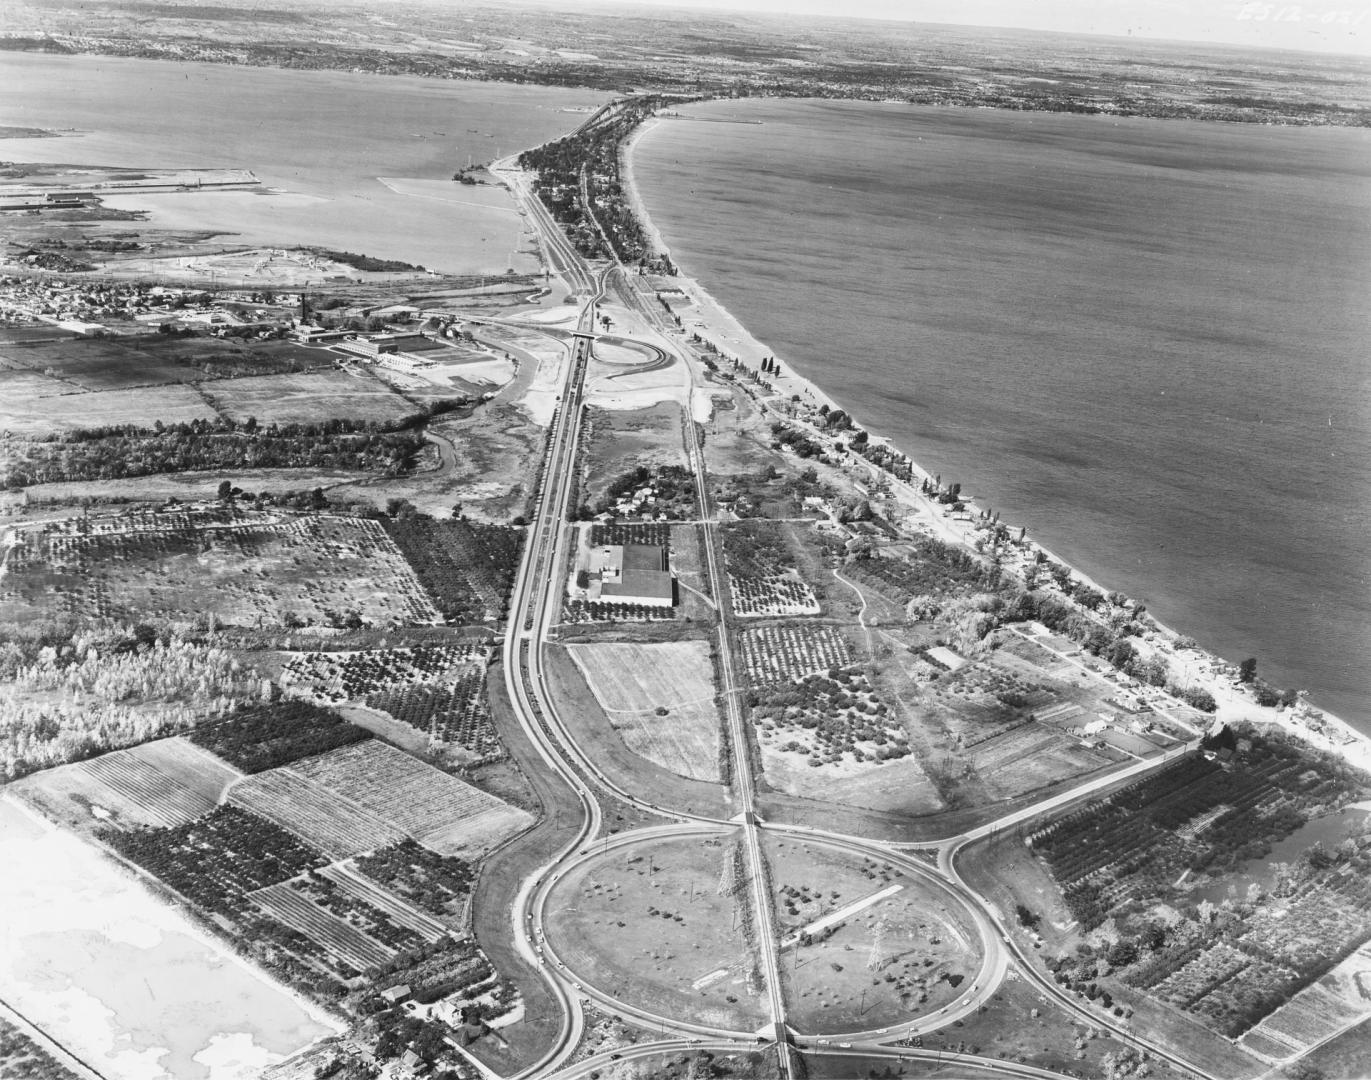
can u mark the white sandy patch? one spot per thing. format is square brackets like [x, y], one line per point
[624, 398]
[72, 917]
[540, 400]
[702, 403]
[235, 1057]
[563, 315]
[493, 372]
[448, 191]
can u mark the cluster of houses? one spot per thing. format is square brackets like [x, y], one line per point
[87, 307]
[640, 504]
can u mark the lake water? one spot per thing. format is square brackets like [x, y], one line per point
[1327, 831]
[121, 979]
[323, 136]
[1145, 340]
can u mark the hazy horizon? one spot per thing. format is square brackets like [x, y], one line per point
[1331, 28]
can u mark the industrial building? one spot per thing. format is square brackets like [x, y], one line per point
[636, 574]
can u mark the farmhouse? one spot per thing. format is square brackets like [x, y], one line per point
[636, 574]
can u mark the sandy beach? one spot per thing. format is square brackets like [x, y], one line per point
[705, 315]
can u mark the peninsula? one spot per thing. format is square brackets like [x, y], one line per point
[531, 674]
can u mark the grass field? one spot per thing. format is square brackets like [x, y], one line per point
[660, 698]
[443, 813]
[842, 978]
[164, 783]
[308, 396]
[186, 568]
[652, 925]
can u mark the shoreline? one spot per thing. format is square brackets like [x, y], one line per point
[1340, 737]
[183, 920]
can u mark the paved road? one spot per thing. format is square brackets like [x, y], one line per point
[535, 608]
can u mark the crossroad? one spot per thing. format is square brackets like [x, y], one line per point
[535, 608]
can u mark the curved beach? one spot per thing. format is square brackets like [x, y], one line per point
[716, 324]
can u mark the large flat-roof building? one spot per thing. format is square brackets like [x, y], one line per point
[636, 574]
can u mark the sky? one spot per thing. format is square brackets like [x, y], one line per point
[1342, 26]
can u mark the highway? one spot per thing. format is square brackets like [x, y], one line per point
[535, 608]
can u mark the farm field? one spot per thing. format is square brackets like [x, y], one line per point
[909, 953]
[188, 568]
[763, 574]
[164, 783]
[259, 737]
[660, 698]
[443, 813]
[313, 812]
[308, 396]
[788, 652]
[337, 937]
[597, 735]
[438, 690]
[98, 364]
[1337, 1002]
[38, 415]
[275, 893]
[468, 568]
[659, 925]
[411, 870]
[1230, 968]
[828, 718]
[1032, 756]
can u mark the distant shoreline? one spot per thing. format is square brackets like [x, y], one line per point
[1356, 748]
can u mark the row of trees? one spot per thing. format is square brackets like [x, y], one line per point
[114, 453]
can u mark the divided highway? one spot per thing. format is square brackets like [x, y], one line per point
[535, 608]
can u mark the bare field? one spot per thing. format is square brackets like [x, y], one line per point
[880, 946]
[164, 783]
[658, 925]
[308, 397]
[187, 569]
[660, 698]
